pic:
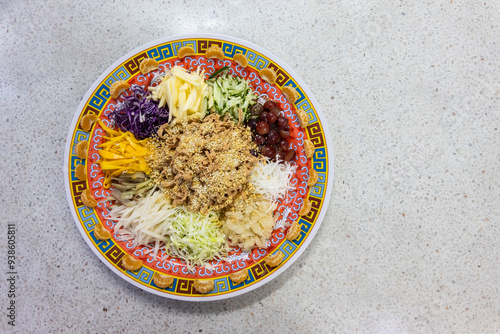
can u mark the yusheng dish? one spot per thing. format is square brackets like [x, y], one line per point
[196, 167]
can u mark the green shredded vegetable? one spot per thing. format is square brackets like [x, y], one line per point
[217, 72]
[227, 94]
[197, 238]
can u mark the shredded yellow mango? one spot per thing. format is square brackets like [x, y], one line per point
[122, 153]
[183, 92]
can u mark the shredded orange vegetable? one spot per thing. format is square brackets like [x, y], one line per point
[122, 153]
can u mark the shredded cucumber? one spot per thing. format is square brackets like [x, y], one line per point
[227, 94]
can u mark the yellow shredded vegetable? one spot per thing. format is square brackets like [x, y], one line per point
[122, 153]
[183, 92]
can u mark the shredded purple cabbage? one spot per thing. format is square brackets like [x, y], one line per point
[139, 115]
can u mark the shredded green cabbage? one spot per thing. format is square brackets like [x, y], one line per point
[196, 238]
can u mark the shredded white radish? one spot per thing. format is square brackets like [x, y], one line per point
[146, 222]
[272, 179]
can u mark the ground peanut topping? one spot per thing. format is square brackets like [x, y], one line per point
[203, 165]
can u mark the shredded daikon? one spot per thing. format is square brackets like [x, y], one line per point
[145, 222]
[272, 179]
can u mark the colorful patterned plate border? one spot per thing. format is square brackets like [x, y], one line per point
[165, 50]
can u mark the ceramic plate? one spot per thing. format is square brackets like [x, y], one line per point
[97, 101]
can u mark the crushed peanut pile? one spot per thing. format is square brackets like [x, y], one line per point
[203, 165]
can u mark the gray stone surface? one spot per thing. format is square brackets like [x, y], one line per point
[411, 241]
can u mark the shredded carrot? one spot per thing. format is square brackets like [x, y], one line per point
[122, 153]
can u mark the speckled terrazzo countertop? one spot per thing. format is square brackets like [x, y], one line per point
[411, 240]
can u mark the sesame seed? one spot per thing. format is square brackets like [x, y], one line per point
[209, 167]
